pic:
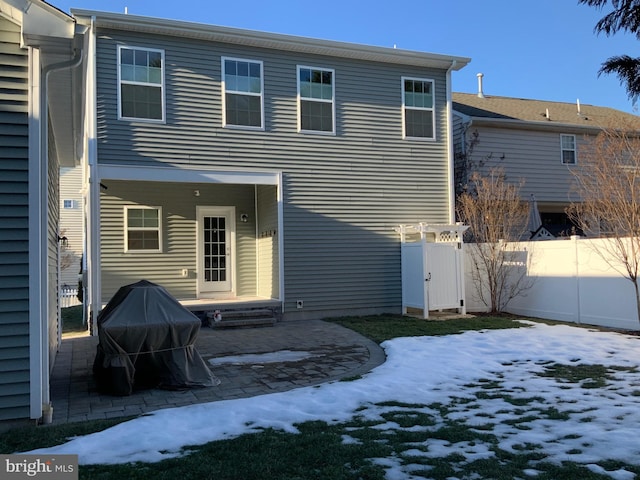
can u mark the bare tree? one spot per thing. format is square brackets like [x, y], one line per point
[496, 217]
[608, 182]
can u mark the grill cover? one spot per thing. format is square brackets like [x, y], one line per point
[147, 340]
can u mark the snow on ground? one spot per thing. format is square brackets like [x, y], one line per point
[262, 358]
[565, 421]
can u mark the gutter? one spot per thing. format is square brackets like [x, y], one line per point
[39, 269]
[254, 38]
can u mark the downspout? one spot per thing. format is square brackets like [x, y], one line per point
[93, 269]
[452, 200]
[42, 234]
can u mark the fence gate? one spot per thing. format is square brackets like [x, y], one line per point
[432, 267]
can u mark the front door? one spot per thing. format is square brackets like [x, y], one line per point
[216, 250]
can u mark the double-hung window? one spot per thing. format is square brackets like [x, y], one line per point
[242, 93]
[568, 149]
[140, 83]
[316, 90]
[143, 230]
[418, 110]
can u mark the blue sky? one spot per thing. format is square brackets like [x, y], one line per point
[543, 49]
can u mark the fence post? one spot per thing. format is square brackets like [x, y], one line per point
[574, 241]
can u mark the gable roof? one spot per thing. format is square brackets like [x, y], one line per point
[540, 113]
[177, 28]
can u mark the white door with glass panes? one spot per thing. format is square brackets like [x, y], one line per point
[216, 238]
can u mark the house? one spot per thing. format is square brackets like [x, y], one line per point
[71, 224]
[539, 142]
[235, 166]
[39, 49]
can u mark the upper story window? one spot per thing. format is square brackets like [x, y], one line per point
[242, 93]
[568, 147]
[140, 83]
[418, 110]
[142, 229]
[68, 204]
[316, 90]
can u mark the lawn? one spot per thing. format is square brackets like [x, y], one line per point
[456, 435]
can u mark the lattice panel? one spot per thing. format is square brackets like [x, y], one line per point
[448, 236]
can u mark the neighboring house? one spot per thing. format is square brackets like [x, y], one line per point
[71, 225]
[234, 165]
[39, 45]
[536, 141]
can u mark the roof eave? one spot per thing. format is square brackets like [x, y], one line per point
[277, 41]
[39, 20]
[531, 125]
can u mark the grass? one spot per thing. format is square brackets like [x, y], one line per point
[385, 327]
[72, 320]
[364, 447]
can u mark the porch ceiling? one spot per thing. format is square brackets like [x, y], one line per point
[186, 175]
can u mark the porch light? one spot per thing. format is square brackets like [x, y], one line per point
[244, 218]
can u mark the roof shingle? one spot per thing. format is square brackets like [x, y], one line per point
[527, 110]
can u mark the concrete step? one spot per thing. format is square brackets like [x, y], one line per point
[240, 318]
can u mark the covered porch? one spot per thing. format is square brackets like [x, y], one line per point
[212, 239]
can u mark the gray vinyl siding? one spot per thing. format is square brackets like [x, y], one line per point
[532, 156]
[71, 224]
[460, 172]
[342, 194]
[14, 225]
[54, 334]
[267, 233]
[178, 235]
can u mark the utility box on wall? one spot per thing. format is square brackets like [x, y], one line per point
[432, 267]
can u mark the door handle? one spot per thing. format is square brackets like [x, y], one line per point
[428, 277]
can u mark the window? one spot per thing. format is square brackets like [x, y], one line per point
[418, 110]
[142, 229]
[141, 83]
[242, 87]
[68, 204]
[568, 146]
[316, 91]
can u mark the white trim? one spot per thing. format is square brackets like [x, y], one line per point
[126, 228]
[450, 148]
[280, 204]
[256, 224]
[224, 91]
[153, 85]
[252, 38]
[184, 175]
[37, 288]
[319, 100]
[94, 287]
[230, 213]
[432, 109]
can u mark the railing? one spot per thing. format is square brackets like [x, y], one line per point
[68, 296]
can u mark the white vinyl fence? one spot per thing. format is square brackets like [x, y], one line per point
[571, 282]
[68, 296]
